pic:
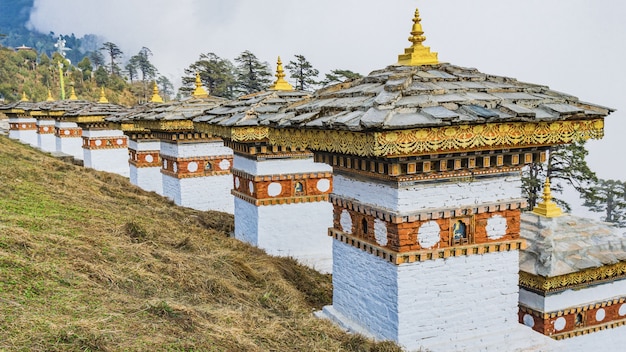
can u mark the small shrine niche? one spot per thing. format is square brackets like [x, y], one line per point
[460, 231]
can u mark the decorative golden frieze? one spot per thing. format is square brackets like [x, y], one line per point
[544, 285]
[165, 125]
[429, 254]
[440, 139]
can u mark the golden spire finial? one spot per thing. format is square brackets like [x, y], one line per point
[73, 94]
[547, 208]
[199, 92]
[417, 54]
[156, 98]
[280, 83]
[50, 98]
[24, 97]
[103, 98]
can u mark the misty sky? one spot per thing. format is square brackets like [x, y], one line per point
[576, 46]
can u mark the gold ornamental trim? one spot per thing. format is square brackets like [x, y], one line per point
[544, 285]
[343, 142]
[235, 134]
[164, 125]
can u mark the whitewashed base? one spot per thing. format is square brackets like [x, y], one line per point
[46, 142]
[610, 340]
[24, 136]
[456, 304]
[147, 178]
[200, 193]
[109, 160]
[297, 230]
[71, 146]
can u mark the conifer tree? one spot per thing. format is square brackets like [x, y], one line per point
[338, 76]
[303, 72]
[114, 54]
[566, 163]
[608, 197]
[216, 74]
[252, 74]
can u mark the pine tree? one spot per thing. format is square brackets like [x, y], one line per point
[216, 74]
[252, 74]
[114, 54]
[141, 64]
[339, 76]
[566, 163]
[303, 72]
[608, 197]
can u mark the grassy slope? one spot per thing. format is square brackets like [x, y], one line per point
[90, 262]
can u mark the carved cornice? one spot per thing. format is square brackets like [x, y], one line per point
[546, 285]
[428, 254]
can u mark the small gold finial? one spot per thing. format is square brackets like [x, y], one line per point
[50, 98]
[417, 54]
[281, 83]
[548, 208]
[24, 97]
[199, 92]
[103, 98]
[156, 98]
[73, 94]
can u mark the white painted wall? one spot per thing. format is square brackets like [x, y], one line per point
[110, 160]
[466, 303]
[573, 298]
[102, 133]
[147, 178]
[69, 145]
[143, 146]
[288, 230]
[424, 196]
[24, 136]
[201, 193]
[189, 150]
[278, 166]
[46, 142]
[610, 340]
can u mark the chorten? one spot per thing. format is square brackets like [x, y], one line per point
[156, 98]
[280, 83]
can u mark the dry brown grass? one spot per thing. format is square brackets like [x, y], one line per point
[89, 262]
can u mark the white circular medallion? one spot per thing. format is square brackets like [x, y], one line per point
[496, 227]
[251, 187]
[98, 142]
[559, 324]
[346, 222]
[165, 163]
[274, 189]
[528, 320]
[175, 166]
[149, 158]
[23, 126]
[428, 234]
[46, 129]
[120, 141]
[192, 166]
[622, 310]
[224, 164]
[380, 232]
[237, 182]
[66, 132]
[600, 314]
[323, 185]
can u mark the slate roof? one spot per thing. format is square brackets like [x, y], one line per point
[254, 109]
[185, 109]
[568, 244]
[404, 97]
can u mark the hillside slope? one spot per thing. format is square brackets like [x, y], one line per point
[90, 262]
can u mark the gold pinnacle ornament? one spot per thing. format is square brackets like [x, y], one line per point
[73, 94]
[281, 83]
[24, 97]
[547, 208]
[156, 98]
[103, 98]
[199, 92]
[417, 54]
[50, 98]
